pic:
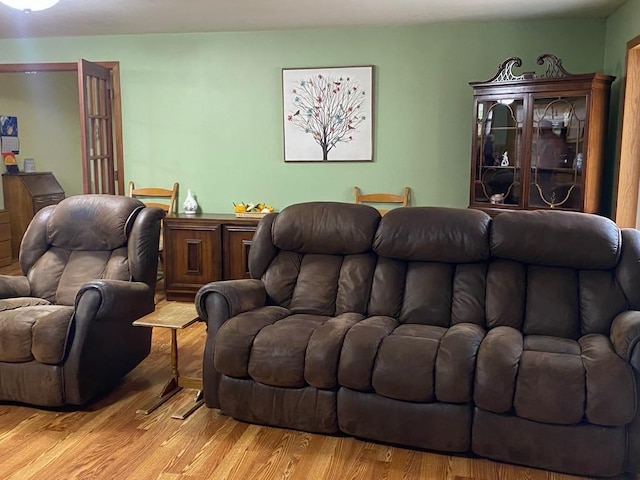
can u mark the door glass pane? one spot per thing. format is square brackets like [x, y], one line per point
[497, 172]
[558, 152]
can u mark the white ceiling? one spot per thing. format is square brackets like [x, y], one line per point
[109, 17]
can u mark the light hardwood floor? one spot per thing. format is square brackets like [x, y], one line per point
[109, 440]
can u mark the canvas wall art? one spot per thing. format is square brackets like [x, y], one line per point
[328, 114]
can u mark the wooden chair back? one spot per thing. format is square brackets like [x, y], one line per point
[153, 196]
[382, 198]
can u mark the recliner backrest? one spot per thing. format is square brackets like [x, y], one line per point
[554, 273]
[432, 266]
[89, 237]
[317, 257]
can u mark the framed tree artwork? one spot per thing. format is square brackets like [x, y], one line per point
[328, 114]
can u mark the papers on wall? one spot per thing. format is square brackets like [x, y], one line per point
[9, 142]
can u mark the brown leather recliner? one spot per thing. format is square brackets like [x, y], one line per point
[65, 327]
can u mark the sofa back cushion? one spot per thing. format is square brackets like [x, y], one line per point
[316, 258]
[432, 266]
[554, 273]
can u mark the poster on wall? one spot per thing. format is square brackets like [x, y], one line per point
[8, 126]
[328, 114]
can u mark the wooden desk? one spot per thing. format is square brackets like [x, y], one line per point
[173, 315]
[24, 195]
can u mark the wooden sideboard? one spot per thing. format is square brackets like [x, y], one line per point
[24, 195]
[204, 248]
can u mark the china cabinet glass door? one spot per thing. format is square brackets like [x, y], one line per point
[499, 154]
[558, 151]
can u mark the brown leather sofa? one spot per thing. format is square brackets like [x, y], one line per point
[513, 338]
[90, 267]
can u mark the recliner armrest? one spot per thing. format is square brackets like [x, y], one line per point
[239, 296]
[119, 299]
[625, 333]
[14, 286]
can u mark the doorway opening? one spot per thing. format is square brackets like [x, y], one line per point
[100, 125]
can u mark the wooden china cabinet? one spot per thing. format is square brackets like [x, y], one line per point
[204, 248]
[538, 140]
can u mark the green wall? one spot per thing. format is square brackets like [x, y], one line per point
[622, 26]
[206, 109]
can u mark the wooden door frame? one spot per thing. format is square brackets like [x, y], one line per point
[116, 105]
[627, 186]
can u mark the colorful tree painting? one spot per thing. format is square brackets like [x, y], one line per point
[330, 108]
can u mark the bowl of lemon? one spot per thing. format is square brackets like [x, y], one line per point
[252, 210]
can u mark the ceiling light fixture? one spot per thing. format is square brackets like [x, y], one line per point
[30, 5]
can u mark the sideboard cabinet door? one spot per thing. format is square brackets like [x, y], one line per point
[237, 243]
[192, 256]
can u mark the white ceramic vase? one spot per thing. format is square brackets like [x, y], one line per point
[190, 205]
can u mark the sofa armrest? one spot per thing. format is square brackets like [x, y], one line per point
[237, 296]
[14, 286]
[119, 300]
[216, 303]
[625, 333]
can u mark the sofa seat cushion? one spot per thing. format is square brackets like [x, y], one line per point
[554, 380]
[276, 347]
[33, 329]
[411, 362]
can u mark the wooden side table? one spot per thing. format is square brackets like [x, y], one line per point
[174, 315]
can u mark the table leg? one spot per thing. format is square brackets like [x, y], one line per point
[172, 386]
[189, 409]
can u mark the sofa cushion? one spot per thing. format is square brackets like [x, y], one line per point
[325, 227]
[554, 380]
[67, 270]
[275, 347]
[235, 338]
[544, 300]
[411, 362]
[33, 329]
[105, 228]
[434, 234]
[555, 238]
[320, 257]
[430, 293]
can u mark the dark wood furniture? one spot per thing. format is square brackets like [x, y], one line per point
[5, 238]
[204, 248]
[24, 195]
[538, 139]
